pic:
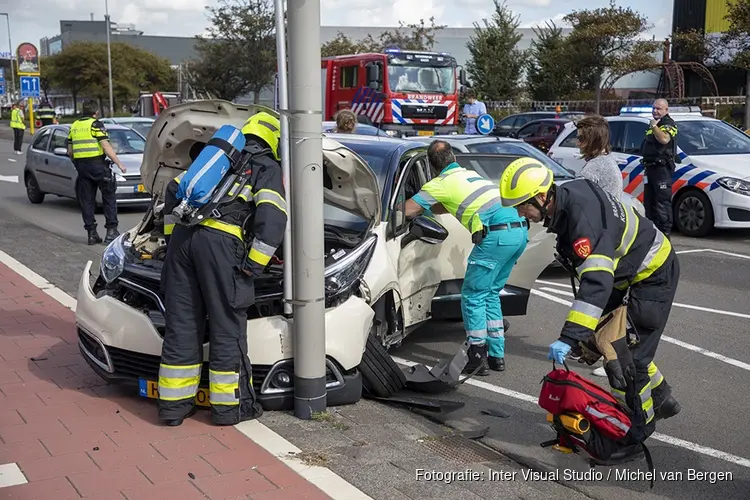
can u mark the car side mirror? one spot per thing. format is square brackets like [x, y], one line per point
[513, 135]
[60, 151]
[425, 229]
[462, 77]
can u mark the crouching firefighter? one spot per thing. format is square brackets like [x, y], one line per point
[619, 257]
[499, 236]
[213, 255]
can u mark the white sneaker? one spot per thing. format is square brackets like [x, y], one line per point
[600, 372]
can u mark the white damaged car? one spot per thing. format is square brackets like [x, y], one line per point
[385, 276]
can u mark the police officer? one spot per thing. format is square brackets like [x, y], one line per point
[209, 271]
[499, 237]
[88, 143]
[18, 126]
[620, 257]
[658, 152]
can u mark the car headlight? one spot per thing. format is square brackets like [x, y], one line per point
[113, 258]
[392, 133]
[344, 274]
[120, 178]
[735, 185]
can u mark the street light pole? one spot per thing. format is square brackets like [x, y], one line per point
[109, 61]
[12, 55]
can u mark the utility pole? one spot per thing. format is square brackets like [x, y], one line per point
[307, 208]
[109, 60]
[12, 58]
[283, 93]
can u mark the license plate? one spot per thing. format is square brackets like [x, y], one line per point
[150, 389]
[140, 188]
[425, 132]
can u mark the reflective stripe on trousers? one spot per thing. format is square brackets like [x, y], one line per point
[224, 388]
[177, 383]
[647, 403]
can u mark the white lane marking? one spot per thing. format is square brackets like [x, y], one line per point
[11, 475]
[676, 304]
[696, 250]
[9, 178]
[324, 478]
[671, 340]
[722, 252]
[680, 443]
[11, 160]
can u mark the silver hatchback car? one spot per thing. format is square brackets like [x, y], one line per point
[49, 170]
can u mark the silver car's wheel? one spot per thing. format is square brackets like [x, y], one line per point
[35, 194]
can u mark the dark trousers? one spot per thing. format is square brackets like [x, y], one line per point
[649, 306]
[201, 277]
[93, 176]
[657, 196]
[18, 138]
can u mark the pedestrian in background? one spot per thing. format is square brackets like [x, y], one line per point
[473, 109]
[87, 144]
[600, 166]
[18, 126]
[346, 121]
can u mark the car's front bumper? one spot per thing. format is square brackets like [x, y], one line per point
[731, 210]
[122, 345]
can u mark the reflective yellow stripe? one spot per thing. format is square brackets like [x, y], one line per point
[223, 387]
[584, 314]
[596, 262]
[629, 234]
[655, 258]
[655, 375]
[272, 197]
[168, 229]
[178, 382]
[647, 404]
[235, 231]
[261, 252]
[245, 193]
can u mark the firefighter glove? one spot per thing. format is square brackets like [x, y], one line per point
[620, 371]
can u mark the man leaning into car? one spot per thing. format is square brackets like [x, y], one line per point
[499, 235]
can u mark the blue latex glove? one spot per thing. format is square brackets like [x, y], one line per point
[557, 351]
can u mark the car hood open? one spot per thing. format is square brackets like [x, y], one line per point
[349, 182]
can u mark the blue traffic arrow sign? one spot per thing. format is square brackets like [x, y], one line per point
[2, 74]
[2, 88]
[29, 86]
[485, 124]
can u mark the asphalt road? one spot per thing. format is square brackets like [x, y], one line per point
[704, 355]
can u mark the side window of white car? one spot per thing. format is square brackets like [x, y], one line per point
[411, 181]
[570, 141]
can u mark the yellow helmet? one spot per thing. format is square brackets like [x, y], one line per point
[265, 127]
[524, 179]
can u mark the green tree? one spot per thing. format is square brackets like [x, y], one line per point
[548, 78]
[496, 64]
[730, 49]
[239, 55]
[407, 37]
[343, 45]
[609, 39]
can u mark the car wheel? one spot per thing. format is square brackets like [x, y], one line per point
[35, 194]
[693, 214]
[381, 376]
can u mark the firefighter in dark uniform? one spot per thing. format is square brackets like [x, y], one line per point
[46, 114]
[209, 271]
[658, 152]
[619, 257]
[87, 144]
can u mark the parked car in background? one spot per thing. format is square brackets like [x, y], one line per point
[141, 124]
[541, 133]
[361, 129]
[513, 123]
[49, 169]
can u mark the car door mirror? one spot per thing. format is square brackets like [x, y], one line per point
[513, 135]
[60, 151]
[425, 229]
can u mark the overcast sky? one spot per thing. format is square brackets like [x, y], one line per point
[34, 19]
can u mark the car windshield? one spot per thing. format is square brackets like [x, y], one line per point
[337, 217]
[522, 149]
[711, 137]
[126, 141]
[140, 127]
[415, 77]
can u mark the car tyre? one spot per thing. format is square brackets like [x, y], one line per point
[381, 376]
[693, 214]
[35, 194]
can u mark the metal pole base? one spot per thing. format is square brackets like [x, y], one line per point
[307, 396]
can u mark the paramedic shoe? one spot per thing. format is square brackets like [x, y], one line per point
[112, 233]
[178, 421]
[669, 408]
[94, 237]
[477, 360]
[496, 364]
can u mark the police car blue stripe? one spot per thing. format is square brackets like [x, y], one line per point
[699, 177]
[635, 172]
[682, 171]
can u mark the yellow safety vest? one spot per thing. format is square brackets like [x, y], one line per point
[15, 119]
[464, 193]
[83, 139]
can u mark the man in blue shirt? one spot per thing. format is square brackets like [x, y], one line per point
[473, 109]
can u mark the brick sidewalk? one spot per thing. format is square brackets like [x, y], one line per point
[72, 436]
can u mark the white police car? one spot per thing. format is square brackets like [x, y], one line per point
[711, 182]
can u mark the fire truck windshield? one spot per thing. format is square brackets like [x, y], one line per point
[418, 77]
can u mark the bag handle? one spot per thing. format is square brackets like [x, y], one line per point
[554, 365]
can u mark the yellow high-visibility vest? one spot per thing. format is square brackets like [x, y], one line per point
[85, 140]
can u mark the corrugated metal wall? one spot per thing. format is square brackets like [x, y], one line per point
[689, 14]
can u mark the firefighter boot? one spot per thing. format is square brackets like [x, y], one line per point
[669, 408]
[477, 360]
[178, 421]
[94, 237]
[112, 233]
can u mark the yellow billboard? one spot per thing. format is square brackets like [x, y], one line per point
[716, 10]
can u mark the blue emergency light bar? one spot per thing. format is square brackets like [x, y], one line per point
[631, 110]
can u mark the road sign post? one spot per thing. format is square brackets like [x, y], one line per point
[485, 124]
[31, 115]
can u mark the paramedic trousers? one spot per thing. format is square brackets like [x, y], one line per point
[649, 306]
[202, 277]
[93, 175]
[489, 266]
[657, 196]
